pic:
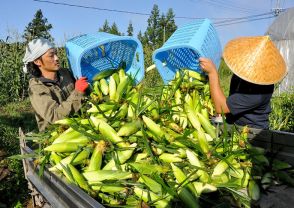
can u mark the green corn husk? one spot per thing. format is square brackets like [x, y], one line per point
[145, 195]
[152, 184]
[253, 190]
[74, 159]
[147, 168]
[96, 159]
[102, 175]
[64, 147]
[122, 156]
[129, 128]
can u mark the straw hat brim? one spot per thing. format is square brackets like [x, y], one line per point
[255, 59]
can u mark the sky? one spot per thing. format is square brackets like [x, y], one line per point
[69, 21]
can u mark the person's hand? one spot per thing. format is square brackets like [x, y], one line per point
[81, 84]
[207, 65]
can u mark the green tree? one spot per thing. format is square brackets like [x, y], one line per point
[105, 27]
[152, 32]
[130, 30]
[38, 27]
[167, 26]
[170, 25]
[141, 37]
[114, 29]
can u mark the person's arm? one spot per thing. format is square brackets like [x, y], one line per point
[47, 107]
[217, 95]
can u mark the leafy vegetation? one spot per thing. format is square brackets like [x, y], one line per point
[13, 186]
[282, 116]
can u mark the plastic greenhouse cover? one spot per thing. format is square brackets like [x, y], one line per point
[282, 33]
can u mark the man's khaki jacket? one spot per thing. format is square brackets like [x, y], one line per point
[53, 100]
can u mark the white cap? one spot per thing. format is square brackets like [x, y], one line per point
[35, 49]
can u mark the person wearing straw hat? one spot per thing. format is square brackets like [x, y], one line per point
[53, 92]
[257, 65]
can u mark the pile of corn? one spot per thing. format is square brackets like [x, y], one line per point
[136, 148]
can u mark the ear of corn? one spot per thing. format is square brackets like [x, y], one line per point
[64, 147]
[96, 159]
[121, 88]
[145, 195]
[73, 159]
[104, 86]
[182, 178]
[207, 126]
[103, 74]
[107, 131]
[220, 168]
[188, 198]
[154, 128]
[202, 141]
[129, 128]
[203, 188]
[79, 179]
[147, 168]
[102, 175]
[108, 188]
[122, 156]
[112, 88]
[192, 116]
[55, 158]
[153, 185]
[253, 190]
[168, 158]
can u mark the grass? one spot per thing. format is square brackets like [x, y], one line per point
[13, 187]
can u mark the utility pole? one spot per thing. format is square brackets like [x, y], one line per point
[163, 34]
[278, 9]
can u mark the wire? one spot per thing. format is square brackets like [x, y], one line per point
[114, 10]
[243, 18]
[250, 20]
[226, 6]
[233, 5]
[225, 21]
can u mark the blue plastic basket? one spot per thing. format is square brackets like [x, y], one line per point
[90, 54]
[185, 46]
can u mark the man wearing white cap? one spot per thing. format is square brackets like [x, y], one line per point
[53, 92]
[257, 65]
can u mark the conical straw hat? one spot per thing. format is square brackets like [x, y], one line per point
[255, 59]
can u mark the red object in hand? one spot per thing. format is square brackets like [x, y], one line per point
[81, 84]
